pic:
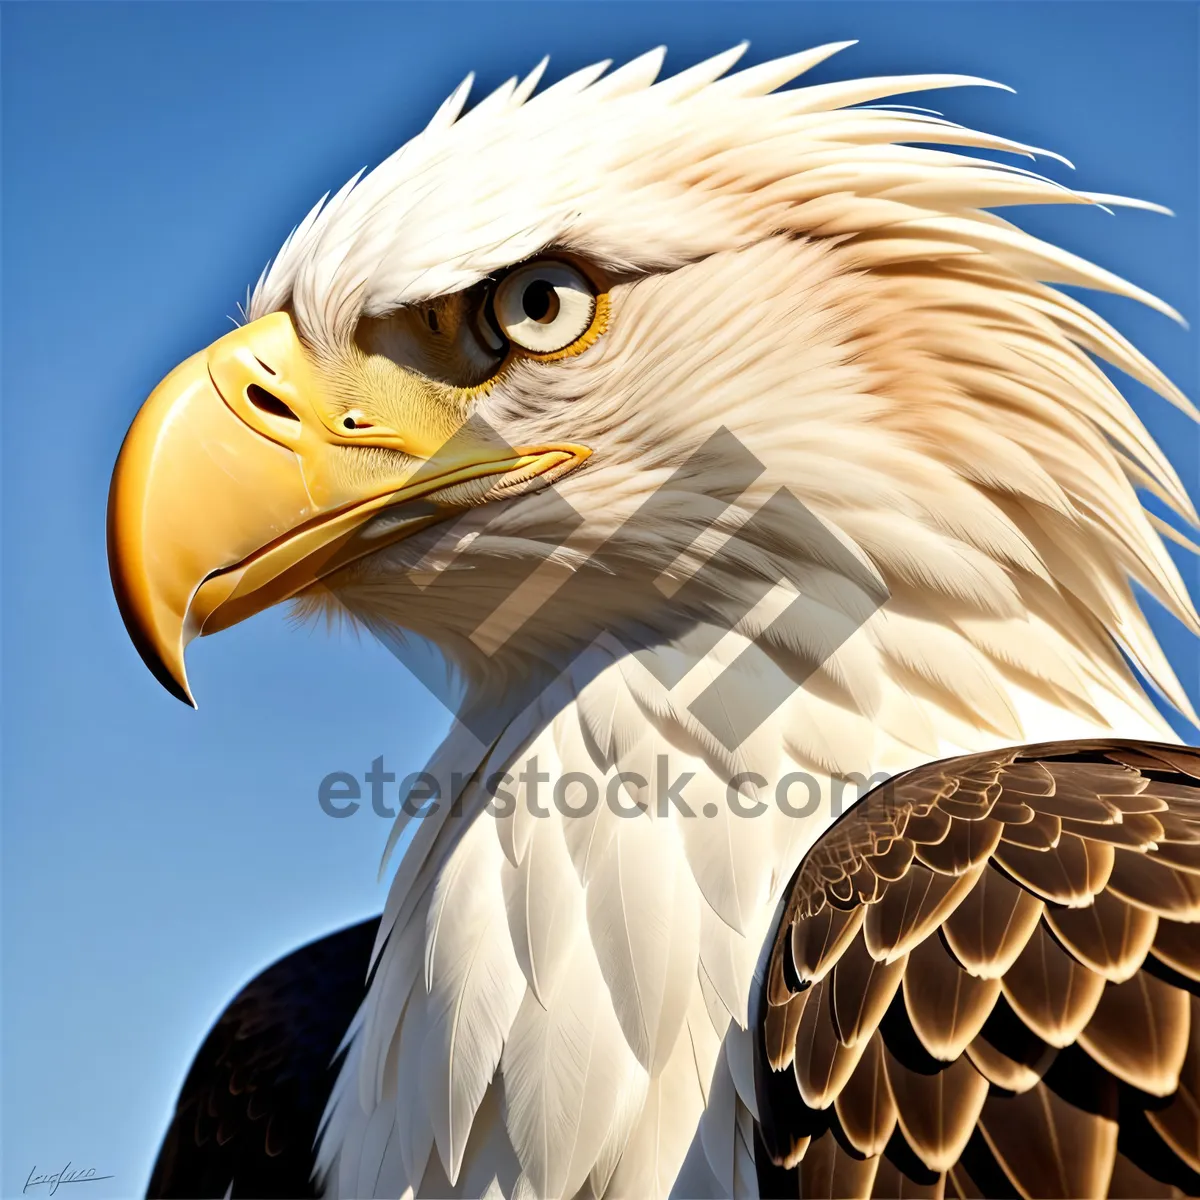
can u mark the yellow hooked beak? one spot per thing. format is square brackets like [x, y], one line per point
[238, 486]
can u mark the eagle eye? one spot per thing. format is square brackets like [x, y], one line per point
[544, 306]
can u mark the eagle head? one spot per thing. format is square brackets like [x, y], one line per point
[594, 331]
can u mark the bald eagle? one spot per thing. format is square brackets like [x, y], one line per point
[734, 453]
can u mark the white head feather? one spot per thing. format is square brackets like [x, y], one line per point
[795, 269]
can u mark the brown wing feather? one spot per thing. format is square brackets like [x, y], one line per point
[1109, 937]
[1178, 946]
[1050, 991]
[992, 924]
[865, 1107]
[831, 1173]
[1129, 1182]
[779, 1030]
[862, 990]
[906, 1179]
[823, 1062]
[947, 1006]
[937, 1111]
[1140, 1032]
[1048, 1147]
[1013, 1065]
[1178, 1124]
[985, 982]
[818, 942]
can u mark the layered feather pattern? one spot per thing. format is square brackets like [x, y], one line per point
[1038, 1043]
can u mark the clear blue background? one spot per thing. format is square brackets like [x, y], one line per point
[154, 156]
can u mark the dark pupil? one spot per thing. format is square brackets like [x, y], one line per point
[536, 300]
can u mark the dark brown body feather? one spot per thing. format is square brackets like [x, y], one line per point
[985, 984]
[247, 1114]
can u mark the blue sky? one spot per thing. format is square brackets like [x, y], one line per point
[154, 157]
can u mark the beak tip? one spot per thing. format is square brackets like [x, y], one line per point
[174, 681]
[178, 688]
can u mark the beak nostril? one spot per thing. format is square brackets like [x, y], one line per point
[268, 402]
[265, 366]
